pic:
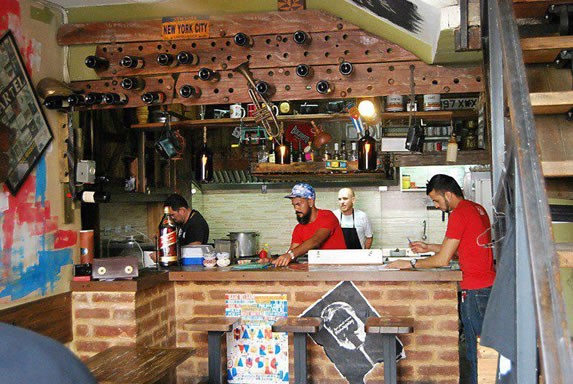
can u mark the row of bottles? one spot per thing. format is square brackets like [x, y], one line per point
[137, 62]
[95, 98]
[364, 151]
[304, 70]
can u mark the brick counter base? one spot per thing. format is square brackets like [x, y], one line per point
[431, 351]
[155, 317]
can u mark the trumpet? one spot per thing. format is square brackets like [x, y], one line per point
[263, 114]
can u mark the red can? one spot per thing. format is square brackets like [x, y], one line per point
[251, 110]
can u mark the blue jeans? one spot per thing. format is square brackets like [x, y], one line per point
[473, 305]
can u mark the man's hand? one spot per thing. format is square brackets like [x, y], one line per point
[419, 247]
[400, 264]
[283, 260]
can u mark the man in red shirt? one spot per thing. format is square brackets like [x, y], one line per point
[316, 228]
[467, 233]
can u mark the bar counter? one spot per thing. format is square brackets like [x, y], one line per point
[153, 309]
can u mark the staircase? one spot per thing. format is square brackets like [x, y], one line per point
[531, 103]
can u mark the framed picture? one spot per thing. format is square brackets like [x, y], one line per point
[20, 111]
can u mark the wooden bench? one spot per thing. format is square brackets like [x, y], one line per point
[137, 364]
[389, 328]
[216, 327]
[300, 327]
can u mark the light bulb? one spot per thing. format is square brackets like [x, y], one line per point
[366, 109]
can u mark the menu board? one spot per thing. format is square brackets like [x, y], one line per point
[21, 113]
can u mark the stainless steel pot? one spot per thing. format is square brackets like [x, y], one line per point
[246, 243]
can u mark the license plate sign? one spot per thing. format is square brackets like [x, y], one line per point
[461, 103]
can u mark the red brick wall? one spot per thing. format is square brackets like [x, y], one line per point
[432, 350]
[156, 316]
[104, 319]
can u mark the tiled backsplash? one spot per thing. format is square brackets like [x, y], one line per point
[394, 215]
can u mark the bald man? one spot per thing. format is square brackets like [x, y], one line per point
[354, 222]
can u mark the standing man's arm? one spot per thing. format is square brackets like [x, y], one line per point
[441, 259]
[296, 250]
[368, 233]
[368, 242]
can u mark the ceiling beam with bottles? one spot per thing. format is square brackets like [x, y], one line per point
[309, 55]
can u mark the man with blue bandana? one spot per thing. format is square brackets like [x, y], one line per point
[316, 228]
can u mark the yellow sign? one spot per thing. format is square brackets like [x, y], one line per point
[184, 28]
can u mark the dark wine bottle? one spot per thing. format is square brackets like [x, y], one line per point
[207, 74]
[56, 102]
[115, 98]
[166, 59]
[304, 70]
[153, 97]
[264, 88]
[76, 99]
[132, 62]
[94, 196]
[204, 161]
[187, 58]
[94, 98]
[189, 91]
[243, 40]
[301, 37]
[167, 241]
[324, 87]
[96, 62]
[133, 83]
[367, 152]
[346, 68]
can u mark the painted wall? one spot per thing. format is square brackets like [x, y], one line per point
[36, 249]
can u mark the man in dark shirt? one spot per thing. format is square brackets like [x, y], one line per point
[192, 227]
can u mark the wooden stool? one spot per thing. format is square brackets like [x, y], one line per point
[137, 365]
[389, 328]
[216, 327]
[300, 326]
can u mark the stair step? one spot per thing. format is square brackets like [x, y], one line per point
[544, 49]
[565, 252]
[534, 8]
[562, 168]
[547, 103]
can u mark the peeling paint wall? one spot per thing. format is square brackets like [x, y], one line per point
[36, 249]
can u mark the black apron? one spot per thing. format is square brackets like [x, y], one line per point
[351, 235]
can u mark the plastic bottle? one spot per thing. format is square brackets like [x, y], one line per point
[452, 152]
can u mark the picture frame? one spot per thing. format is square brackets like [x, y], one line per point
[22, 113]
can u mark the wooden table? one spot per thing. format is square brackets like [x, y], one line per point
[136, 365]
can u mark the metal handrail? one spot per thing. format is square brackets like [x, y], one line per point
[519, 166]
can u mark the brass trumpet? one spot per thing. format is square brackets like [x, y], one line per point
[263, 108]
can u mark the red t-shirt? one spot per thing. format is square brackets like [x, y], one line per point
[324, 219]
[467, 222]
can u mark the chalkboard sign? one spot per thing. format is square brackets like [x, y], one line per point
[20, 111]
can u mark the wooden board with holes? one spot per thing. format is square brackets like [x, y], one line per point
[220, 26]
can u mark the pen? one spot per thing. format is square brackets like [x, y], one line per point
[409, 241]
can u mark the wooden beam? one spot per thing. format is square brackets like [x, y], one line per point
[557, 168]
[547, 103]
[544, 49]
[253, 24]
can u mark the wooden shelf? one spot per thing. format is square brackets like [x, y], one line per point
[544, 49]
[228, 122]
[534, 8]
[408, 159]
[312, 171]
[547, 103]
[557, 168]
